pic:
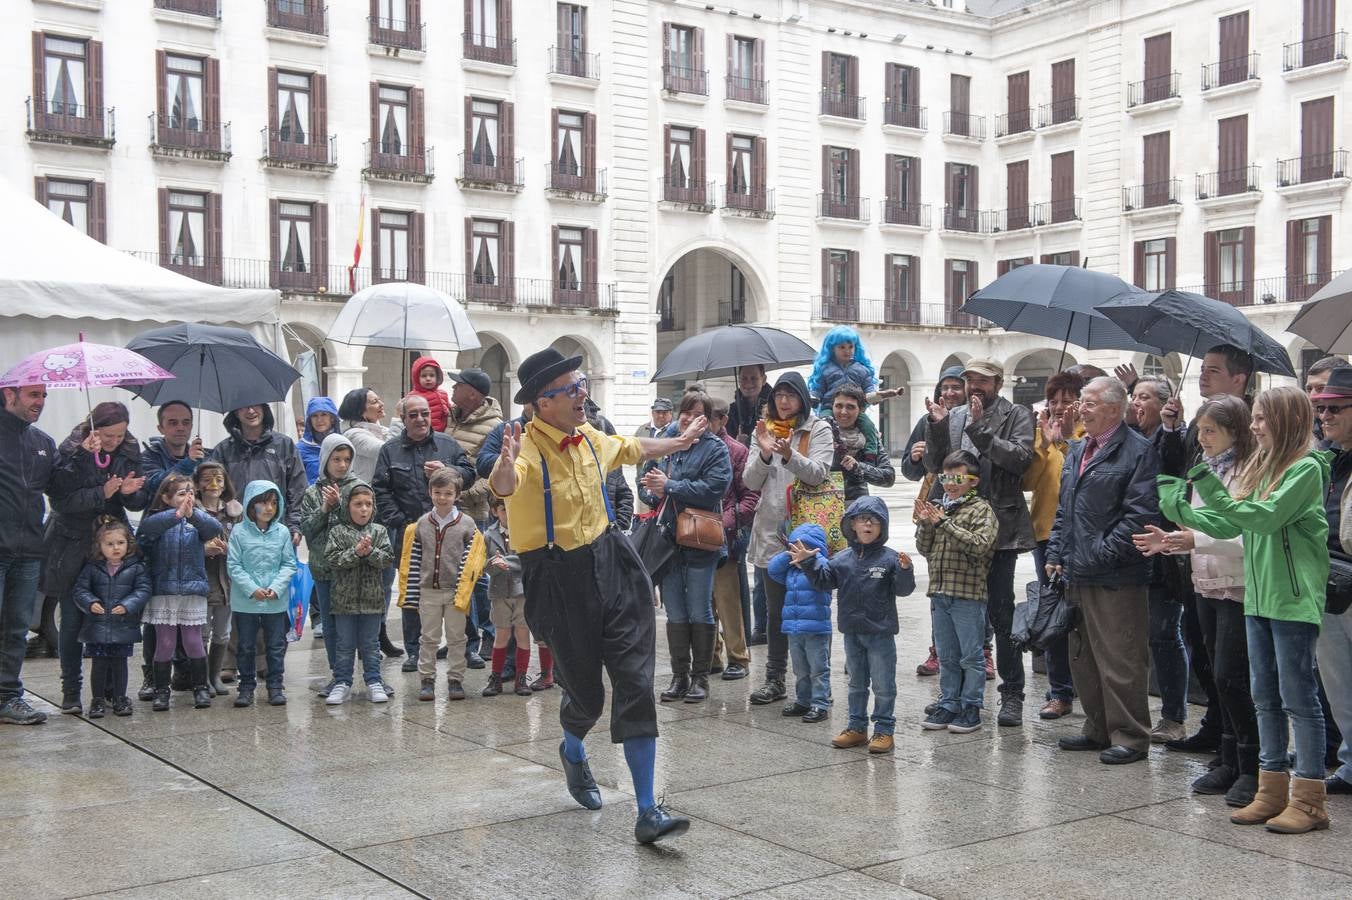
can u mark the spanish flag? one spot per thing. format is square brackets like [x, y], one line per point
[356, 251]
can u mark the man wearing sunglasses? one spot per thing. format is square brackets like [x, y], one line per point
[588, 596]
[400, 485]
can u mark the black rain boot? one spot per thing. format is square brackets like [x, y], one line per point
[147, 691]
[215, 657]
[678, 643]
[1222, 778]
[163, 671]
[387, 648]
[1242, 792]
[201, 690]
[702, 651]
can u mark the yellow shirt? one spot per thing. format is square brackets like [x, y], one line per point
[576, 486]
[1043, 478]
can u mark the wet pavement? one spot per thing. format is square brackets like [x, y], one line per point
[468, 800]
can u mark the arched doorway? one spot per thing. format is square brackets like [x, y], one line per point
[387, 373]
[894, 416]
[492, 359]
[953, 359]
[306, 351]
[1031, 373]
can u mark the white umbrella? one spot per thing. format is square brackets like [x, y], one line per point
[1326, 318]
[406, 317]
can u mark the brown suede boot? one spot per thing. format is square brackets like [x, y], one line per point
[1271, 799]
[1306, 810]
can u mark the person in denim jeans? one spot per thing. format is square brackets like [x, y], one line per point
[358, 552]
[261, 562]
[868, 577]
[695, 478]
[807, 625]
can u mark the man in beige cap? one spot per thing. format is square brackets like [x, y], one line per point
[1001, 435]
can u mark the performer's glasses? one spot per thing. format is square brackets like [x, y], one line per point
[572, 390]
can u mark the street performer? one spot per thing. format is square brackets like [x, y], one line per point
[588, 596]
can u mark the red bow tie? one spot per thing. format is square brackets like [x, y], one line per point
[569, 441]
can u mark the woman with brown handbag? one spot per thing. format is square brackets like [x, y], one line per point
[687, 488]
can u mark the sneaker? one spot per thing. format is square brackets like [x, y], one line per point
[428, 691]
[494, 686]
[938, 720]
[734, 672]
[793, 710]
[376, 693]
[849, 738]
[990, 664]
[97, 709]
[967, 720]
[122, 706]
[1166, 730]
[1011, 712]
[474, 661]
[409, 665]
[244, 697]
[324, 691]
[70, 704]
[276, 696]
[930, 666]
[881, 743]
[768, 693]
[931, 707]
[338, 694]
[454, 690]
[523, 685]
[318, 631]
[16, 711]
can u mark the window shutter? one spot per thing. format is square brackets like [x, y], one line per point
[854, 181]
[98, 211]
[889, 289]
[275, 248]
[697, 160]
[563, 35]
[1318, 22]
[471, 289]
[377, 258]
[974, 188]
[417, 129]
[1138, 264]
[914, 176]
[417, 248]
[852, 78]
[161, 80]
[698, 74]
[1325, 248]
[1295, 260]
[413, 10]
[890, 182]
[826, 70]
[758, 61]
[588, 152]
[1155, 160]
[94, 53]
[469, 124]
[507, 141]
[913, 297]
[960, 93]
[758, 161]
[1046, 259]
[507, 264]
[1063, 178]
[1075, 258]
[1212, 260]
[1234, 34]
[666, 43]
[505, 22]
[666, 155]
[826, 273]
[1002, 267]
[854, 277]
[274, 122]
[554, 144]
[319, 117]
[321, 245]
[731, 45]
[590, 266]
[1170, 263]
[973, 283]
[213, 95]
[1248, 232]
[554, 258]
[375, 120]
[215, 240]
[40, 190]
[826, 171]
[1316, 137]
[1158, 52]
[949, 175]
[163, 195]
[948, 283]
[469, 21]
[1233, 152]
[1063, 84]
[39, 79]
[727, 168]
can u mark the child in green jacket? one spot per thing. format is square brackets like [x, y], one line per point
[358, 553]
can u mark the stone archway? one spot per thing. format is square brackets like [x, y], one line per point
[896, 416]
[1028, 376]
[494, 357]
[307, 351]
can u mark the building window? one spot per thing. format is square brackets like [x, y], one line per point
[900, 305]
[571, 52]
[681, 48]
[485, 131]
[1309, 256]
[736, 297]
[64, 77]
[1154, 275]
[70, 201]
[293, 108]
[393, 120]
[962, 188]
[300, 245]
[740, 178]
[393, 14]
[679, 160]
[666, 303]
[394, 246]
[841, 183]
[187, 227]
[570, 154]
[961, 284]
[683, 59]
[297, 222]
[569, 274]
[575, 265]
[1231, 260]
[487, 252]
[183, 92]
[1309, 248]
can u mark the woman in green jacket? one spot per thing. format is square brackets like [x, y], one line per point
[1278, 509]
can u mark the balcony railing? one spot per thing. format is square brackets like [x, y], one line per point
[499, 172]
[279, 148]
[836, 206]
[575, 179]
[685, 80]
[1273, 289]
[1015, 122]
[399, 162]
[1317, 167]
[56, 120]
[1013, 219]
[1230, 71]
[688, 191]
[193, 135]
[1227, 182]
[332, 281]
[1314, 51]
[749, 200]
[1147, 196]
[1052, 212]
[905, 115]
[1059, 112]
[309, 16]
[1153, 90]
[574, 63]
[960, 218]
[965, 125]
[747, 90]
[845, 106]
[872, 311]
[395, 33]
[489, 48]
[210, 8]
[894, 212]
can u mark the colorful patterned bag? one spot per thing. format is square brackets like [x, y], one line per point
[822, 504]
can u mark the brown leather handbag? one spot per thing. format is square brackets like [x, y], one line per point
[699, 529]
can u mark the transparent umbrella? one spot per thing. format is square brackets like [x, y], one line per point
[404, 316]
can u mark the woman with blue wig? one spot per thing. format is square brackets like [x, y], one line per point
[842, 360]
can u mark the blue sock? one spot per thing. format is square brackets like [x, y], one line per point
[641, 755]
[572, 748]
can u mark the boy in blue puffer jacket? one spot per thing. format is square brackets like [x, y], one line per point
[867, 579]
[807, 622]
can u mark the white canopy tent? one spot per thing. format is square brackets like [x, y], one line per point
[56, 282]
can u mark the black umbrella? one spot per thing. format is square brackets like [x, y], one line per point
[1057, 302]
[721, 350]
[1188, 323]
[215, 368]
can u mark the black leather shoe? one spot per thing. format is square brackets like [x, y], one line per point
[656, 823]
[409, 665]
[1079, 742]
[581, 784]
[70, 704]
[1118, 755]
[1201, 742]
[1335, 785]
[793, 710]
[815, 715]
[733, 672]
[757, 638]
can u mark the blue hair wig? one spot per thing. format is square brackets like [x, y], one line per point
[841, 334]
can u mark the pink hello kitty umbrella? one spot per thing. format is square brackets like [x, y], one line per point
[82, 366]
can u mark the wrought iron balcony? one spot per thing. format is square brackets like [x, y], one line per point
[1153, 90]
[1017, 121]
[1314, 51]
[747, 90]
[685, 80]
[574, 179]
[965, 125]
[698, 196]
[905, 115]
[309, 16]
[489, 48]
[1230, 71]
[279, 149]
[1147, 196]
[844, 106]
[398, 34]
[1059, 112]
[1052, 212]
[746, 200]
[399, 162]
[961, 218]
[851, 207]
[894, 212]
[58, 122]
[209, 8]
[496, 174]
[1227, 182]
[574, 63]
[192, 138]
[1316, 167]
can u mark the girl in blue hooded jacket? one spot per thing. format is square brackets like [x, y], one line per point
[807, 622]
[261, 560]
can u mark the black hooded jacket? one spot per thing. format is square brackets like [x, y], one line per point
[867, 578]
[273, 457]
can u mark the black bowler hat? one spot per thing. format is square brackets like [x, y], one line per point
[475, 378]
[539, 369]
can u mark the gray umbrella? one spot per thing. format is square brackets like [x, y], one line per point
[1326, 318]
[214, 367]
[719, 351]
[1188, 323]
